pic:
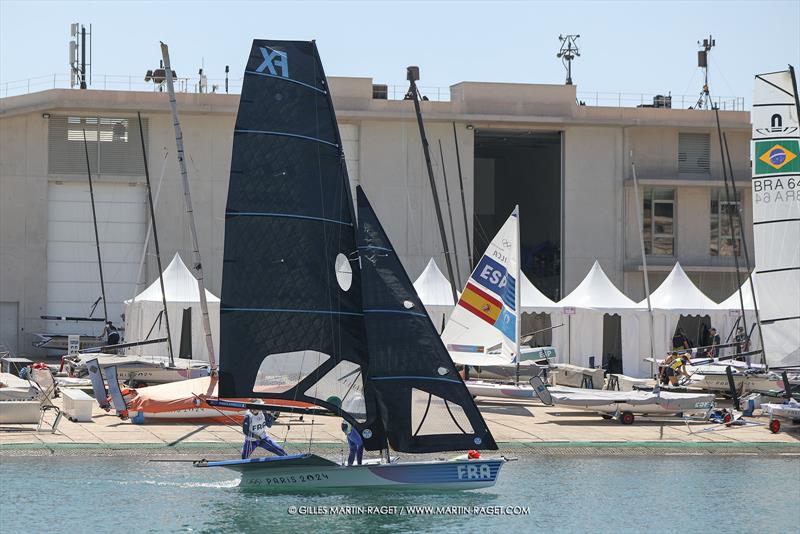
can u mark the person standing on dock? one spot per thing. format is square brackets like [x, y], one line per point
[713, 352]
[355, 443]
[254, 427]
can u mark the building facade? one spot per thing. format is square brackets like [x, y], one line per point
[568, 166]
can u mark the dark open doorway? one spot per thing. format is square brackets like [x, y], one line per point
[521, 167]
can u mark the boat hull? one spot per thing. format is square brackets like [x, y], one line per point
[311, 472]
[478, 388]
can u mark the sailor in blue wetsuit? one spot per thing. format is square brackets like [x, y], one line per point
[255, 427]
[355, 443]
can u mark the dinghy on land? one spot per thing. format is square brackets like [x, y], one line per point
[320, 310]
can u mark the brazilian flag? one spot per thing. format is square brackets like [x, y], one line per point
[773, 156]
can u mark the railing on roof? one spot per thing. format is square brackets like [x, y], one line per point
[645, 100]
[113, 82]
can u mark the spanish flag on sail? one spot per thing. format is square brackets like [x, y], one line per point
[481, 303]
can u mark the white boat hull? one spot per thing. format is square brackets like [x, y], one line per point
[639, 402]
[311, 472]
[479, 388]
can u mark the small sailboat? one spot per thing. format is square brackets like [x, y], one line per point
[318, 309]
[483, 331]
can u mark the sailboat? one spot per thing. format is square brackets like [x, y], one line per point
[776, 225]
[318, 309]
[483, 331]
[776, 234]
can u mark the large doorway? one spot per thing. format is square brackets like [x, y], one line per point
[521, 167]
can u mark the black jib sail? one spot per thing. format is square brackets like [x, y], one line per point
[423, 402]
[291, 324]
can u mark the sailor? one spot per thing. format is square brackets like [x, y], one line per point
[355, 443]
[111, 334]
[679, 341]
[677, 367]
[254, 428]
[715, 340]
[742, 342]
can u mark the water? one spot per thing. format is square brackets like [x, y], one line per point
[635, 494]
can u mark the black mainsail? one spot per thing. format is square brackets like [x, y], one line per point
[291, 324]
[307, 314]
[424, 404]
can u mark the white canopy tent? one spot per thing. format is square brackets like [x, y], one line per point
[594, 297]
[676, 296]
[436, 293]
[533, 301]
[180, 287]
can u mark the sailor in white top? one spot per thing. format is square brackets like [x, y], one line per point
[254, 427]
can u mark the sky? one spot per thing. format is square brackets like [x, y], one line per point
[631, 47]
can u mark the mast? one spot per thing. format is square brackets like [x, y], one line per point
[463, 202]
[150, 228]
[187, 197]
[413, 76]
[517, 290]
[730, 219]
[746, 254]
[155, 239]
[94, 222]
[450, 213]
[644, 266]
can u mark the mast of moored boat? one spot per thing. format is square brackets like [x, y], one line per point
[644, 267]
[96, 235]
[517, 290]
[155, 240]
[413, 76]
[187, 197]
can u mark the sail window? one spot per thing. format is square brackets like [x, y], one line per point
[344, 273]
[432, 415]
[279, 373]
[342, 386]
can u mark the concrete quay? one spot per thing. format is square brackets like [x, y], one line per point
[518, 428]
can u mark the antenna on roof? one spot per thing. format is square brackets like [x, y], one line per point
[77, 69]
[568, 52]
[704, 102]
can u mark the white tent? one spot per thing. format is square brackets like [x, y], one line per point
[180, 287]
[436, 293]
[534, 301]
[595, 296]
[676, 296]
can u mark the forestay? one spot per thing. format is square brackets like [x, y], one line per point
[487, 312]
[291, 324]
[423, 402]
[776, 214]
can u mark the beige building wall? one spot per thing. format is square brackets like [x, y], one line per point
[384, 155]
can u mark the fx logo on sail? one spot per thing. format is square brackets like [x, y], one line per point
[273, 60]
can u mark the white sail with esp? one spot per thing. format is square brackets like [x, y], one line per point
[776, 214]
[486, 317]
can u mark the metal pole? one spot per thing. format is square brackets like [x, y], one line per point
[644, 266]
[187, 197]
[463, 202]
[450, 214]
[94, 221]
[155, 239]
[426, 150]
[83, 60]
[150, 228]
[730, 219]
[745, 252]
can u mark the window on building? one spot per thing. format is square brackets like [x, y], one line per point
[694, 153]
[659, 221]
[725, 241]
[113, 144]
